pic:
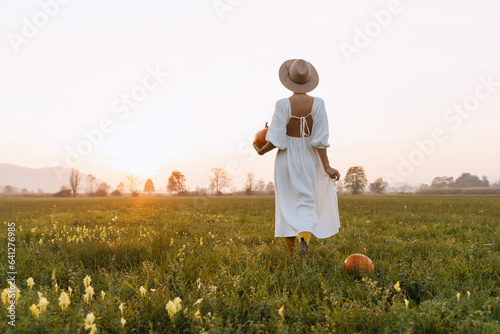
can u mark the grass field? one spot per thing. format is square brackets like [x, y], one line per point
[220, 258]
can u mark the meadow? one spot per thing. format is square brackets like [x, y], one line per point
[212, 265]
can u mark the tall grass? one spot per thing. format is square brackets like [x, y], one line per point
[223, 251]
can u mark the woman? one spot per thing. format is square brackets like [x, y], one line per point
[306, 200]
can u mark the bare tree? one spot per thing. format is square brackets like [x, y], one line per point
[91, 183]
[149, 187]
[133, 184]
[74, 181]
[177, 182]
[120, 187]
[260, 185]
[219, 179]
[249, 183]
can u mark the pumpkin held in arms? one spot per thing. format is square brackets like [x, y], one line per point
[260, 137]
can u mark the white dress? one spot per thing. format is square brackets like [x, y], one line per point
[306, 199]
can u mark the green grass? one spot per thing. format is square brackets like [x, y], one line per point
[223, 250]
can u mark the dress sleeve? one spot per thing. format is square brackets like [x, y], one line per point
[277, 130]
[320, 130]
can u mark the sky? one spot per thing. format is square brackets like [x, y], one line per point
[411, 88]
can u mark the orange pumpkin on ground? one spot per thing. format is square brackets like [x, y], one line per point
[260, 137]
[356, 263]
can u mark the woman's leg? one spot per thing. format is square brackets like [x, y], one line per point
[290, 244]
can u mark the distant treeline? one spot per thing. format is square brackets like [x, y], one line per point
[459, 191]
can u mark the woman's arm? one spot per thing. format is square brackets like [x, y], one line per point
[332, 172]
[264, 149]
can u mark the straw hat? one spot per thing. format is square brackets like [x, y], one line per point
[298, 75]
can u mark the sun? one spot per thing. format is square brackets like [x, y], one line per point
[140, 164]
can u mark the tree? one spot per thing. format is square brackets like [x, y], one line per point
[133, 184]
[486, 182]
[91, 180]
[64, 192]
[249, 183]
[442, 182]
[40, 191]
[177, 183]
[102, 190]
[149, 187]
[378, 186]
[270, 188]
[219, 179]
[466, 180]
[200, 191]
[74, 181]
[120, 188]
[8, 190]
[355, 179]
[260, 185]
[423, 186]
[406, 188]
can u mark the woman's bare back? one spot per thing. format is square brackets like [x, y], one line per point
[301, 106]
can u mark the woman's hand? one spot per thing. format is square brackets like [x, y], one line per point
[264, 149]
[260, 150]
[332, 173]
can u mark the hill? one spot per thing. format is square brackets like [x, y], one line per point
[50, 179]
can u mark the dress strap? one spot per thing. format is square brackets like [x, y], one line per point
[304, 128]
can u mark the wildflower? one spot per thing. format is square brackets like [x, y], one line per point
[30, 282]
[458, 296]
[89, 293]
[173, 307]
[86, 281]
[34, 311]
[406, 303]
[123, 321]
[70, 290]
[198, 301]
[396, 287]
[197, 315]
[281, 312]
[54, 275]
[468, 294]
[121, 307]
[56, 287]
[5, 296]
[103, 294]
[42, 303]
[152, 290]
[64, 300]
[89, 320]
[142, 291]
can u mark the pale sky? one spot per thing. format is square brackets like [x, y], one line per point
[67, 69]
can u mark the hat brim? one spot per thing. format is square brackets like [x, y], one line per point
[293, 86]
